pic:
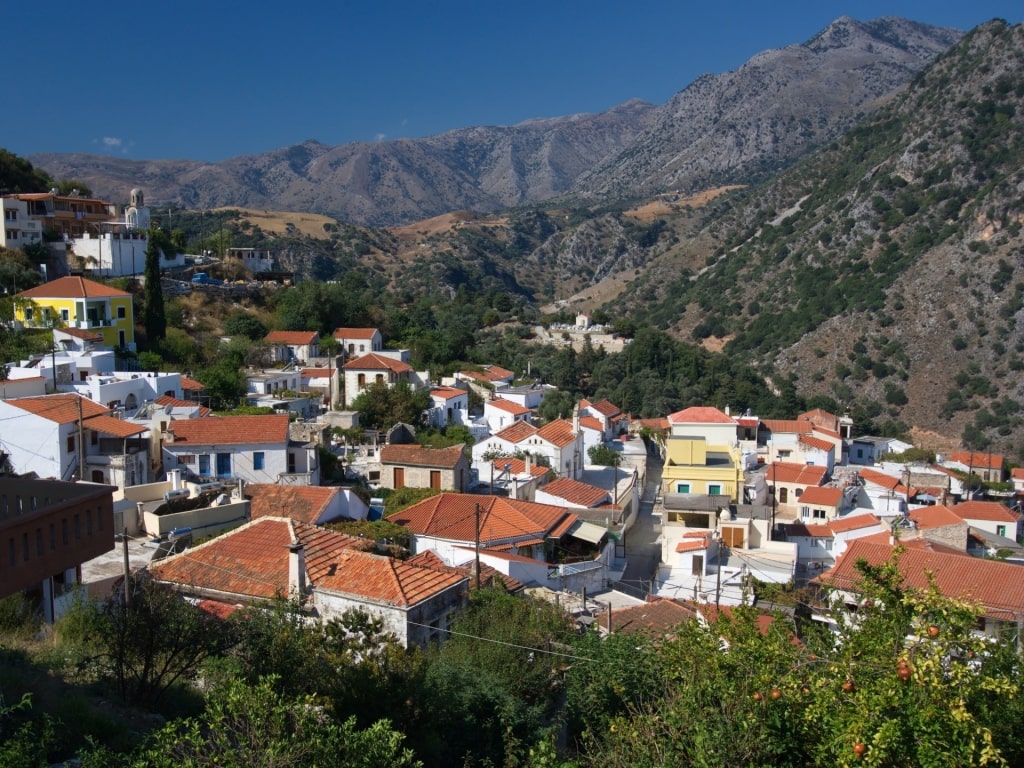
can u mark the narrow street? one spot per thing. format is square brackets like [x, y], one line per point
[643, 551]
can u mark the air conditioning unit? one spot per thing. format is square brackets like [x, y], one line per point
[180, 493]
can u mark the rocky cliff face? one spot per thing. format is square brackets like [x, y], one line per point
[730, 127]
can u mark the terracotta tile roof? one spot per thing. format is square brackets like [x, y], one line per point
[591, 422]
[375, 362]
[936, 516]
[792, 472]
[992, 511]
[508, 406]
[853, 523]
[517, 432]
[518, 467]
[305, 503]
[657, 617]
[81, 333]
[995, 585]
[290, 337]
[692, 545]
[1017, 473]
[317, 373]
[385, 580]
[748, 421]
[418, 456]
[72, 288]
[354, 333]
[817, 442]
[827, 432]
[819, 416]
[187, 383]
[252, 561]
[824, 495]
[604, 407]
[231, 430]
[700, 415]
[794, 426]
[62, 408]
[490, 374]
[176, 403]
[574, 492]
[108, 425]
[660, 424]
[447, 393]
[488, 574]
[979, 460]
[884, 480]
[452, 515]
[559, 433]
[563, 527]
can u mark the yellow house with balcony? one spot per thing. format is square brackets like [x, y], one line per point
[74, 302]
[693, 467]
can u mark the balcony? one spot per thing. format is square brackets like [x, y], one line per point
[87, 324]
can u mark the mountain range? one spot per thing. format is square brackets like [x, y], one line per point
[727, 128]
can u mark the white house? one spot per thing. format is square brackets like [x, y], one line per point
[448, 405]
[66, 436]
[18, 230]
[293, 346]
[314, 504]
[556, 443]
[500, 413]
[819, 544]
[255, 449]
[375, 368]
[868, 450]
[527, 396]
[356, 342]
[613, 421]
[255, 260]
[991, 517]
[566, 492]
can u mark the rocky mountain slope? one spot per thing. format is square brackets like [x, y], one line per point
[888, 268]
[730, 127]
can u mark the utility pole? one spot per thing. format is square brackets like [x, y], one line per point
[81, 440]
[718, 571]
[127, 572]
[476, 543]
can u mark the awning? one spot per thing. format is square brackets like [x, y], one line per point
[588, 532]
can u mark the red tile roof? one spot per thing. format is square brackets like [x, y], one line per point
[936, 516]
[591, 422]
[452, 516]
[489, 374]
[605, 407]
[577, 494]
[81, 333]
[798, 474]
[72, 288]
[807, 530]
[559, 433]
[700, 415]
[62, 408]
[385, 580]
[187, 383]
[692, 545]
[354, 333]
[108, 425]
[818, 494]
[447, 393]
[252, 561]
[290, 337]
[231, 430]
[375, 362]
[657, 617]
[305, 503]
[794, 426]
[817, 442]
[1017, 473]
[885, 481]
[853, 523]
[488, 575]
[317, 373]
[995, 585]
[658, 424]
[517, 432]
[992, 511]
[418, 456]
[979, 460]
[508, 406]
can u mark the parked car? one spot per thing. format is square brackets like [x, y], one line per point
[201, 278]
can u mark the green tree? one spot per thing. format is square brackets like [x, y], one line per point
[154, 317]
[224, 383]
[604, 456]
[381, 406]
[18, 175]
[246, 324]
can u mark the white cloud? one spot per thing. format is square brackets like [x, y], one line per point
[380, 137]
[111, 141]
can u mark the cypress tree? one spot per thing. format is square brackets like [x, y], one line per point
[155, 319]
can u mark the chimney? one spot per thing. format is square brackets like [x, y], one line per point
[296, 570]
[576, 419]
[526, 465]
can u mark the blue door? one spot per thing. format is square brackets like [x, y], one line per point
[204, 464]
[223, 465]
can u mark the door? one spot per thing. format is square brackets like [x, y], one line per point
[223, 465]
[204, 464]
[783, 495]
[399, 477]
[435, 479]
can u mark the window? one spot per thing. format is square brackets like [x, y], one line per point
[1000, 530]
[715, 490]
[121, 314]
[805, 512]
[64, 315]
[798, 492]
[187, 458]
[682, 487]
[819, 514]
[697, 565]
[257, 460]
[204, 464]
[12, 234]
[785, 454]
[28, 313]
[361, 380]
[10, 214]
[71, 443]
[828, 545]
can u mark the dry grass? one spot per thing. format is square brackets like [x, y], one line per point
[277, 222]
[439, 225]
[673, 202]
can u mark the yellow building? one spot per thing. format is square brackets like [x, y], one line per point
[691, 466]
[74, 302]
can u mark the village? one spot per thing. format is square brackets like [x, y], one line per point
[114, 472]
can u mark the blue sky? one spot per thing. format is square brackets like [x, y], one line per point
[215, 79]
